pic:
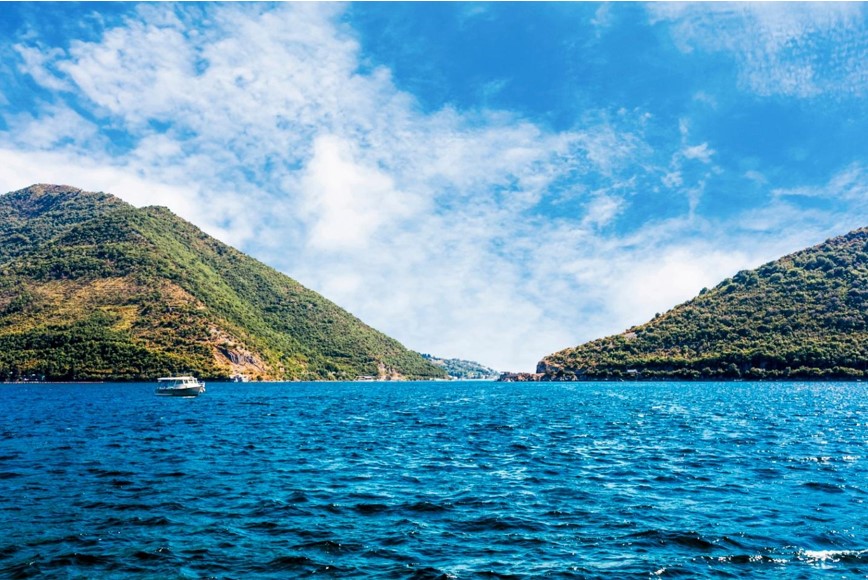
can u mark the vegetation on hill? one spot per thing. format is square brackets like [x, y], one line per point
[92, 288]
[804, 316]
[463, 369]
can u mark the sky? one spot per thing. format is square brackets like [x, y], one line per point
[493, 182]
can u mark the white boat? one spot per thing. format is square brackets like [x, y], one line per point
[179, 387]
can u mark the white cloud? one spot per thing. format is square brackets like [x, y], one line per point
[756, 177]
[778, 44]
[699, 152]
[602, 209]
[348, 202]
[603, 18]
[56, 126]
[851, 183]
[34, 61]
[686, 178]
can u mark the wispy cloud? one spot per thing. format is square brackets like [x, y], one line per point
[851, 185]
[781, 47]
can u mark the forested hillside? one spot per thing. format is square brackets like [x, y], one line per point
[463, 369]
[93, 288]
[803, 316]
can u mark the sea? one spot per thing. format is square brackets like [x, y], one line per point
[435, 480]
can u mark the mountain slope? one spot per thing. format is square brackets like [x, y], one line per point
[463, 369]
[93, 288]
[802, 316]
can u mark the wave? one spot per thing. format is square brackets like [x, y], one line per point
[846, 556]
[663, 538]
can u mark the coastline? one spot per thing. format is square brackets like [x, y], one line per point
[542, 378]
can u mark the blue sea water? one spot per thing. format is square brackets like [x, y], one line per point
[435, 480]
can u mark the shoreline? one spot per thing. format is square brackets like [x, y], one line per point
[544, 381]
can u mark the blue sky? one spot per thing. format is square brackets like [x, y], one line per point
[485, 181]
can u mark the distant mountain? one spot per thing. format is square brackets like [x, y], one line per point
[804, 316]
[92, 288]
[463, 369]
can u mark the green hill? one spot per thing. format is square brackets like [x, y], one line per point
[804, 316]
[461, 369]
[92, 288]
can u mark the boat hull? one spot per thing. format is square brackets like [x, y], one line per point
[180, 391]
